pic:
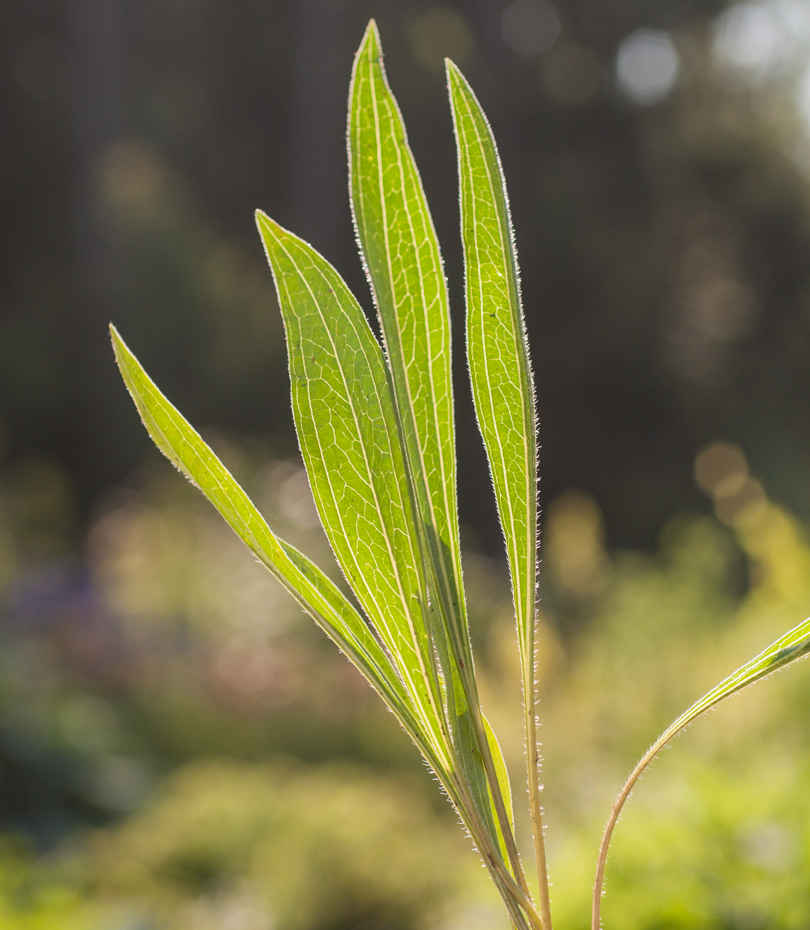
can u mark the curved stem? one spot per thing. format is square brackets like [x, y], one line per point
[618, 804]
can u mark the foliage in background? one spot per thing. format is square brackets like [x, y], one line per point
[717, 834]
[287, 846]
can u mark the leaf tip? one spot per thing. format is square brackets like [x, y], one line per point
[371, 44]
[268, 230]
[455, 78]
[118, 344]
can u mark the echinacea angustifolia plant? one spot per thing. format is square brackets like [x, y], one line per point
[376, 431]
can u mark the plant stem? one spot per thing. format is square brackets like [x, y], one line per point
[500, 805]
[514, 895]
[618, 804]
[533, 767]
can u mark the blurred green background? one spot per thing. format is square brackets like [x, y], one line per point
[179, 746]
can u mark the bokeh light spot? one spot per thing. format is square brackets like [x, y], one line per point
[647, 66]
[721, 469]
[755, 41]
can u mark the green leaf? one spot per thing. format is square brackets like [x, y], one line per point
[497, 349]
[316, 593]
[500, 768]
[377, 436]
[403, 260]
[502, 775]
[794, 645]
[347, 429]
[503, 392]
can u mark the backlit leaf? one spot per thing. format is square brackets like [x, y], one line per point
[402, 256]
[347, 430]
[316, 593]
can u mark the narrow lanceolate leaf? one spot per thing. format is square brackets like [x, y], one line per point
[794, 645]
[316, 593]
[402, 257]
[503, 390]
[496, 344]
[347, 429]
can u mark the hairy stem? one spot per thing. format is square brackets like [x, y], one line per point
[513, 894]
[533, 766]
[618, 804]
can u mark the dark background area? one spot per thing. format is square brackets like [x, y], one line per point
[663, 241]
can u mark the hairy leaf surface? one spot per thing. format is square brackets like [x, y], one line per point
[347, 429]
[401, 253]
[791, 647]
[497, 349]
[316, 593]
[503, 391]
